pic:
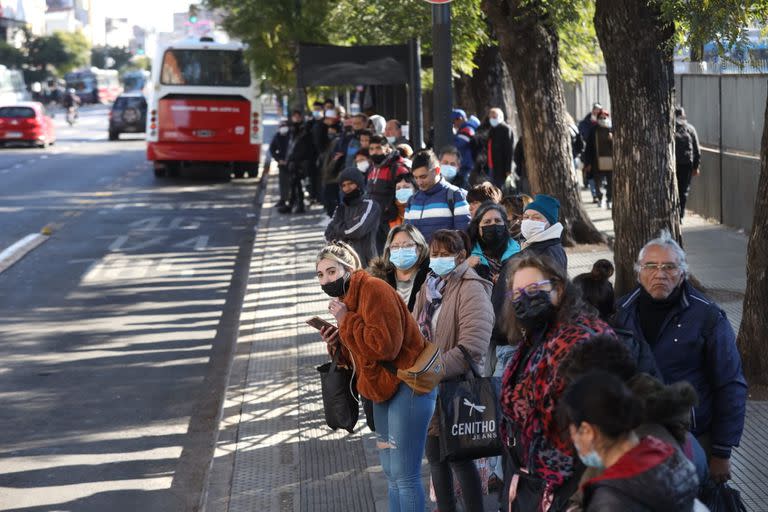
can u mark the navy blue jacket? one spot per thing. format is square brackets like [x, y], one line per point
[697, 344]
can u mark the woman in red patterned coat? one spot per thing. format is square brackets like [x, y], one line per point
[547, 317]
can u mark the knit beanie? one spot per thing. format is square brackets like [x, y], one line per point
[354, 175]
[546, 205]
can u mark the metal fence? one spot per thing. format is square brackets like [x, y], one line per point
[728, 113]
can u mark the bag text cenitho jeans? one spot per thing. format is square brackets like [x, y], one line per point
[401, 428]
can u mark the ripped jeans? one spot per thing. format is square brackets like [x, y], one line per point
[401, 429]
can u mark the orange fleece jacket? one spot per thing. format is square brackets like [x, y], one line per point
[378, 327]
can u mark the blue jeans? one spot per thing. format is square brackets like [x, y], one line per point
[401, 428]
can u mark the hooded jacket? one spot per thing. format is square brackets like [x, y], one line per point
[383, 269]
[444, 206]
[696, 343]
[466, 318]
[356, 221]
[377, 327]
[547, 243]
[651, 477]
[381, 183]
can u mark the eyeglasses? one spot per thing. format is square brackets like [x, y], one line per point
[667, 268]
[530, 290]
[404, 246]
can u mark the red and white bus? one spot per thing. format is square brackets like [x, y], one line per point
[204, 108]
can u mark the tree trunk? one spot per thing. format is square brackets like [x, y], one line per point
[754, 322]
[638, 56]
[489, 85]
[529, 46]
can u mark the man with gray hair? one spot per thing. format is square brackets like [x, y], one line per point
[693, 341]
[499, 149]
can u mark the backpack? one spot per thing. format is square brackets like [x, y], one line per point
[683, 145]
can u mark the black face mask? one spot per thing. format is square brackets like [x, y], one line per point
[378, 159]
[495, 237]
[348, 198]
[336, 288]
[536, 311]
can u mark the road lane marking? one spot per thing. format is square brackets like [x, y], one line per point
[18, 250]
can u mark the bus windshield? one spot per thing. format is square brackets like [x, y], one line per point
[223, 68]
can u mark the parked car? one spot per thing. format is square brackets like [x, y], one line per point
[128, 115]
[26, 123]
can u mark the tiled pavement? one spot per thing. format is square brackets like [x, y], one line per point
[275, 453]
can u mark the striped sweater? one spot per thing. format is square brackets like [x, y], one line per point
[444, 206]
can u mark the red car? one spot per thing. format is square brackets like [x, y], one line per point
[26, 123]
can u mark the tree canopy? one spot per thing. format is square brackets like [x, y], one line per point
[61, 51]
[274, 29]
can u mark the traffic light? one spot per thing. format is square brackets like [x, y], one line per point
[140, 51]
[192, 13]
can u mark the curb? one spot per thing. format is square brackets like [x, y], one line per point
[19, 249]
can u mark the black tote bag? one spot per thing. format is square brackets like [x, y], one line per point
[721, 498]
[340, 403]
[469, 416]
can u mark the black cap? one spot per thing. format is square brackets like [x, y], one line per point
[680, 112]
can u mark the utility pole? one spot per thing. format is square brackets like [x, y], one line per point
[441, 68]
[301, 98]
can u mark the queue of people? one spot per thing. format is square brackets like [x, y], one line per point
[599, 397]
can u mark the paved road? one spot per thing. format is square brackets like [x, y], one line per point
[114, 331]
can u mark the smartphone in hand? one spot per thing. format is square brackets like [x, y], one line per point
[318, 323]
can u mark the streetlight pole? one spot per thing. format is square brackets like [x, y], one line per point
[441, 68]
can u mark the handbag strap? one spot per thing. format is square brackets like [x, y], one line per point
[474, 373]
[335, 359]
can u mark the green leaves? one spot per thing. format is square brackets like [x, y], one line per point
[274, 29]
[722, 22]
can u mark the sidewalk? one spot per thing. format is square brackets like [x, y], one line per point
[275, 453]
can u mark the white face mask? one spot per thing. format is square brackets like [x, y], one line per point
[317, 114]
[391, 140]
[330, 113]
[494, 121]
[363, 165]
[605, 123]
[530, 228]
[283, 130]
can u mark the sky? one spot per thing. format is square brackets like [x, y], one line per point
[147, 13]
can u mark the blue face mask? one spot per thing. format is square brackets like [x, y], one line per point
[403, 194]
[592, 460]
[404, 258]
[442, 266]
[448, 171]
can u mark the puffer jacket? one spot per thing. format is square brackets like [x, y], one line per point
[378, 327]
[651, 477]
[697, 344]
[381, 268]
[356, 221]
[465, 318]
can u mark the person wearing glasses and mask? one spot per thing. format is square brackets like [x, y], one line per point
[541, 230]
[404, 263]
[546, 318]
[693, 341]
[453, 309]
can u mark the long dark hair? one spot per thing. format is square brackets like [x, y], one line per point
[474, 225]
[571, 304]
